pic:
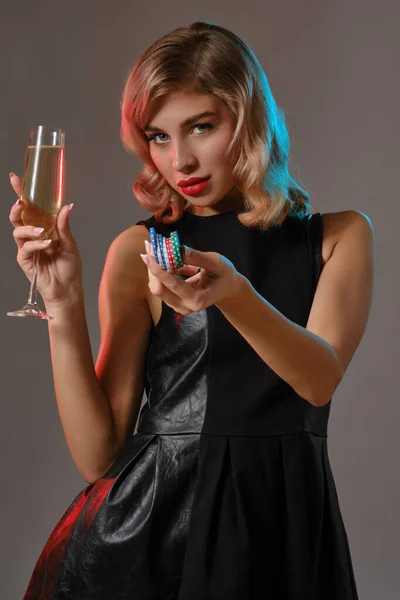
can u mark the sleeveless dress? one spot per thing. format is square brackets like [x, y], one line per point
[225, 491]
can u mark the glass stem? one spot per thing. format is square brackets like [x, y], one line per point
[32, 291]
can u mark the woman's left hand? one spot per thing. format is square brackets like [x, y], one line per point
[216, 281]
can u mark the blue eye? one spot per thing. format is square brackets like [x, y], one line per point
[157, 135]
[208, 125]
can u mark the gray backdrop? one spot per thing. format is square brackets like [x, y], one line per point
[333, 67]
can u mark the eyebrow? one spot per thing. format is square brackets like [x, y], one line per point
[186, 122]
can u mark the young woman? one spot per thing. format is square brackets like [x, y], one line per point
[225, 490]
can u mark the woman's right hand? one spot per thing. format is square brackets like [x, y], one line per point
[59, 274]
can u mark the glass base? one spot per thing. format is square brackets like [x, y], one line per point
[30, 310]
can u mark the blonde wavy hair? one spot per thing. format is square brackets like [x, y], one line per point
[210, 59]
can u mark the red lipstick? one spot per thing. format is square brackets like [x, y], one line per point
[193, 185]
[191, 181]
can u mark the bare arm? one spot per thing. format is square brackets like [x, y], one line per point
[98, 406]
[314, 359]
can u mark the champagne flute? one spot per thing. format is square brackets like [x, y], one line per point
[42, 195]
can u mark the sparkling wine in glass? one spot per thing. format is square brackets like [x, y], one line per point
[42, 195]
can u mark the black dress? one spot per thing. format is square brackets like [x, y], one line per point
[225, 492]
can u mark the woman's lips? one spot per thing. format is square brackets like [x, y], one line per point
[196, 188]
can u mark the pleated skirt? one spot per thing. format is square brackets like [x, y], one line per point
[203, 517]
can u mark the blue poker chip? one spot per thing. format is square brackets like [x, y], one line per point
[154, 242]
[160, 245]
[159, 251]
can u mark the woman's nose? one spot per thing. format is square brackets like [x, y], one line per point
[182, 157]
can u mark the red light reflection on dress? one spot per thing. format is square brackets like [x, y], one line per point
[50, 562]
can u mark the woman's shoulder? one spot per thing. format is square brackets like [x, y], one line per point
[124, 264]
[336, 225]
[131, 240]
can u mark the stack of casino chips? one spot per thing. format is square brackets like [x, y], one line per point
[167, 250]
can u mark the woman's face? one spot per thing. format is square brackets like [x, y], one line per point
[194, 149]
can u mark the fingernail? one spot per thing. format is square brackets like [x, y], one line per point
[146, 243]
[145, 258]
[70, 206]
[185, 251]
[38, 229]
[47, 242]
[18, 202]
[12, 175]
